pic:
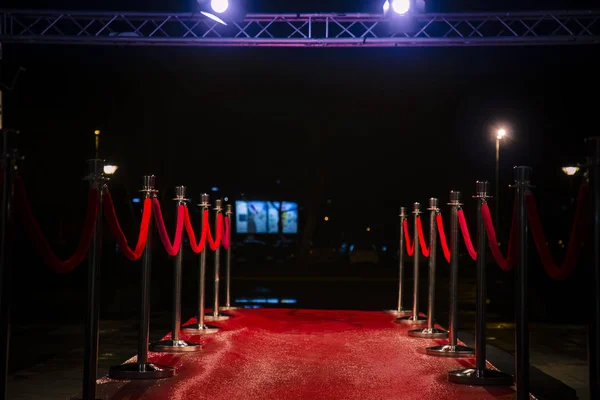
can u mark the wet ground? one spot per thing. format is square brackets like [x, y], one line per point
[47, 350]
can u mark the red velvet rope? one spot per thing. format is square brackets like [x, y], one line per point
[226, 234]
[40, 243]
[424, 248]
[196, 247]
[410, 248]
[117, 232]
[215, 243]
[466, 236]
[443, 241]
[578, 232]
[172, 249]
[505, 264]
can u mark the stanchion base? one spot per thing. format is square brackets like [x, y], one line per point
[447, 350]
[140, 371]
[227, 308]
[429, 333]
[201, 329]
[480, 377]
[409, 320]
[398, 313]
[175, 346]
[220, 317]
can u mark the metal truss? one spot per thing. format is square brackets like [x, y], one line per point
[301, 30]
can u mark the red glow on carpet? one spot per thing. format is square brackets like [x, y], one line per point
[278, 354]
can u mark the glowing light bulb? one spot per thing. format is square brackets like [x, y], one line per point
[219, 6]
[110, 169]
[400, 6]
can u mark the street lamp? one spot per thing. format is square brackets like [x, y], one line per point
[110, 169]
[570, 170]
[499, 136]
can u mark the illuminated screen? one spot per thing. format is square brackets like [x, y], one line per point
[263, 217]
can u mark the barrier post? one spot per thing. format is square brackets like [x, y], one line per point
[142, 369]
[9, 159]
[216, 316]
[453, 349]
[594, 312]
[522, 184]
[401, 311]
[431, 332]
[415, 318]
[228, 306]
[200, 327]
[480, 375]
[175, 344]
[90, 366]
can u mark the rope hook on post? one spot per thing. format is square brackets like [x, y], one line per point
[216, 315]
[453, 349]
[431, 332]
[480, 375]
[227, 239]
[415, 318]
[176, 344]
[142, 369]
[200, 327]
[401, 311]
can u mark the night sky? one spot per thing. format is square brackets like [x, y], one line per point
[370, 129]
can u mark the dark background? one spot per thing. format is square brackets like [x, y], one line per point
[367, 129]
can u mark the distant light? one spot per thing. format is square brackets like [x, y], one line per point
[368, 229]
[570, 170]
[501, 133]
[110, 169]
[384, 248]
[219, 6]
[351, 248]
[214, 189]
[272, 301]
[96, 132]
[136, 200]
[326, 218]
[288, 301]
[400, 7]
[226, 198]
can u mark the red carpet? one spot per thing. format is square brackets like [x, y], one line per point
[278, 354]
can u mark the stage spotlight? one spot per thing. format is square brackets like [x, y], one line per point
[219, 6]
[403, 7]
[221, 11]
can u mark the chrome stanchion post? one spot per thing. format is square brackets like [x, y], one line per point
[142, 369]
[415, 318]
[594, 312]
[228, 306]
[401, 311]
[522, 185]
[480, 375]
[431, 332]
[453, 349]
[90, 366]
[9, 167]
[175, 344]
[216, 316]
[200, 327]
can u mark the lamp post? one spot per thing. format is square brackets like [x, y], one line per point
[499, 136]
[570, 171]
